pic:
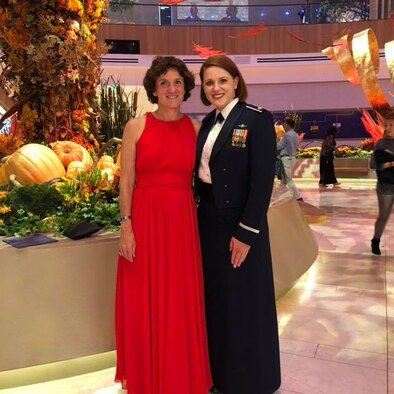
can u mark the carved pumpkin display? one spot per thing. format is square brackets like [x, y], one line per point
[32, 163]
[69, 151]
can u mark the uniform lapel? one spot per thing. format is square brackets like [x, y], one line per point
[227, 128]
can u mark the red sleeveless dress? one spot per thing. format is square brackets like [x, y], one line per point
[160, 321]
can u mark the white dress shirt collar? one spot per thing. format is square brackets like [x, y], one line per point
[228, 108]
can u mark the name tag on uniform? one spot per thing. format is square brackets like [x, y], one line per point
[239, 136]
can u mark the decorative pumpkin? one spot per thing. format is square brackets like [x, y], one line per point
[106, 162]
[32, 163]
[69, 151]
[74, 168]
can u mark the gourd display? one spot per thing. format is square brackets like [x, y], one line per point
[68, 151]
[106, 162]
[75, 167]
[32, 163]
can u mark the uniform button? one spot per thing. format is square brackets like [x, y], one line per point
[225, 185]
[224, 169]
[227, 201]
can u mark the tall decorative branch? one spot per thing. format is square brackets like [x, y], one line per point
[50, 51]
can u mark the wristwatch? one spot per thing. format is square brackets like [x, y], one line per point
[125, 218]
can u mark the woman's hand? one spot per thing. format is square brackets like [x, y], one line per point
[127, 241]
[239, 251]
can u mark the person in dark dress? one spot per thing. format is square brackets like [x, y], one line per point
[327, 171]
[383, 157]
[235, 169]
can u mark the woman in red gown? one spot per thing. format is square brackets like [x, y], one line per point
[160, 328]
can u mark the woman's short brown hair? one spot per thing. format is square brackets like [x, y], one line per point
[159, 66]
[228, 65]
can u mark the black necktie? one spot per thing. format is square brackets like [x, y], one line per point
[219, 118]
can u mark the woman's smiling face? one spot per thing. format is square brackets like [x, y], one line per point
[219, 87]
[170, 89]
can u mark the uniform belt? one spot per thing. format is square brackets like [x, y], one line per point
[285, 155]
[388, 164]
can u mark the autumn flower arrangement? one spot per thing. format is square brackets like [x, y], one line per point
[51, 207]
[51, 60]
[344, 151]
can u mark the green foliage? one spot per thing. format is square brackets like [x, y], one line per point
[116, 108]
[40, 200]
[343, 10]
[308, 153]
[50, 208]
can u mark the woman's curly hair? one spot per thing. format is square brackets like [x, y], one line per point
[160, 65]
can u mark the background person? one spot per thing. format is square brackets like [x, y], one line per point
[193, 17]
[234, 178]
[231, 14]
[287, 149]
[327, 170]
[384, 161]
[160, 325]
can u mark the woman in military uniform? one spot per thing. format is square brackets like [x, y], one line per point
[235, 167]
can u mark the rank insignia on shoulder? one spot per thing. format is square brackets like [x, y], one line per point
[254, 108]
[238, 139]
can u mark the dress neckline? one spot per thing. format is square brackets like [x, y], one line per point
[166, 121]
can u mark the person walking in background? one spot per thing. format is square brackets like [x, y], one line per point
[287, 149]
[327, 171]
[383, 157]
[161, 339]
[235, 168]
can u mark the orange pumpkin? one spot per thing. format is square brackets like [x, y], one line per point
[32, 163]
[69, 151]
[74, 168]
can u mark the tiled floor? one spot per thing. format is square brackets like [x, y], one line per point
[337, 323]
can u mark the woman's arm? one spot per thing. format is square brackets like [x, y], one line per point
[262, 159]
[131, 134]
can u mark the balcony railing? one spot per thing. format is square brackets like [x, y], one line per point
[241, 12]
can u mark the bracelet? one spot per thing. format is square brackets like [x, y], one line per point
[125, 218]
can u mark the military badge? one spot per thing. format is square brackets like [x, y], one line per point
[239, 136]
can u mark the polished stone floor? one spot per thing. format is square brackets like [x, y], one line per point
[337, 322]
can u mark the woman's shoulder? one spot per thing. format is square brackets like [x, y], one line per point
[196, 124]
[134, 127]
[136, 121]
[257, 111]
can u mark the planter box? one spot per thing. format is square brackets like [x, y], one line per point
[57, 300]
[344, 167]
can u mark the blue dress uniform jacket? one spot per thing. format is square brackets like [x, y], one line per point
[239, 303]
[242, 165]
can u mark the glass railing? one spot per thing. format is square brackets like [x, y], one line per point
[214, 13]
